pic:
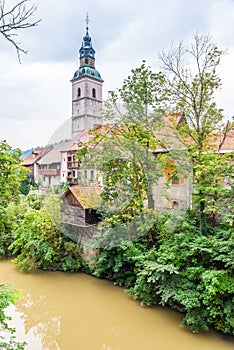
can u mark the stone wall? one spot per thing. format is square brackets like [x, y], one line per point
[80, 235]
[72, 214]
[172, 197]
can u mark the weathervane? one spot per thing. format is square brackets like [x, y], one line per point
[87, 20]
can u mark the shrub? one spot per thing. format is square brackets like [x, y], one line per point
[39, 244]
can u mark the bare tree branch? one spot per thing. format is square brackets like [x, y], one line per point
[14, 18]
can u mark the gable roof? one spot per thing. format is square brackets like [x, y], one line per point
[54, 155]
[36, 154]
[86, 135]
[88, 196]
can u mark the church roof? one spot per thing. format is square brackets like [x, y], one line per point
[87, 58]
[87, 71]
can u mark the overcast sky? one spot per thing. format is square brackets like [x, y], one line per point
[35, 97]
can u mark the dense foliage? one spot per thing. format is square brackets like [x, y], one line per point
[31, 232]
[39, 244]
[11, 175]
[189, 274]
[185, 270]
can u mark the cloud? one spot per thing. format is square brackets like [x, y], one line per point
[36, 96]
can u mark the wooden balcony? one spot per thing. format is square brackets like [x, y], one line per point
[49, 172]
[73, 165]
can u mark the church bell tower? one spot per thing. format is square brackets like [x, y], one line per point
[86, 89]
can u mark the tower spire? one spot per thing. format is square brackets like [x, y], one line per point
[87, 20]
[87, 56]
[86, 88]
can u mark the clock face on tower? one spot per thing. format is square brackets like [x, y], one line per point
[91, 61]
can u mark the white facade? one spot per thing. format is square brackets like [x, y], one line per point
[86, 104]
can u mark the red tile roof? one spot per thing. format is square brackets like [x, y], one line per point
[36, 154]
[226, 140]
[86, 135]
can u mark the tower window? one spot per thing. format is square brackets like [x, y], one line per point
[78, 92]
[94, 93]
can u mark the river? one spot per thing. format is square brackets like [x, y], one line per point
[74, 311]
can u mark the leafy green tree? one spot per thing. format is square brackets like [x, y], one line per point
[40, 244]
[12, 217]
[142, 96]
[122, 152]
[190, 83]
[191, 273]
[11, 175]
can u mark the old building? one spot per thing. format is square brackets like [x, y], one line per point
[70, 166]
[50, 166]
[86, 89]
[31, 162]
[78, 212]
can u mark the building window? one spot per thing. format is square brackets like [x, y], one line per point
[175, 181]
[85, 174]
[94, 93]
[175, 204]
[92, 175]
[78, 92]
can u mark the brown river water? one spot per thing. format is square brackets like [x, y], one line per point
[73, 311]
